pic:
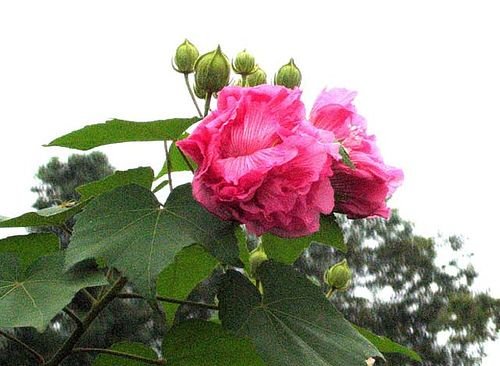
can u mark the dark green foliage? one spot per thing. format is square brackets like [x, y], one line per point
[60, 180]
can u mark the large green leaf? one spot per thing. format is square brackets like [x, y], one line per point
[142, 176]
[292, 323]
[385, 345]
[29, 247]
[32, 298]
[288, 250]
[191, 265]
[134, 348]
[200, 343]
[116, 131]
[131, 230]
[46, 217]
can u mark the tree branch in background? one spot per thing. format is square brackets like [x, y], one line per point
[171, 300]
[120, 354]
[30, 350]
[67, 347]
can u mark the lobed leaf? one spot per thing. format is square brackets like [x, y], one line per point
[385, 345]
[288, 250]
[51, 216]
[191, 265]
[142, 176]
[30, 247]
[292, 323]
[129, 229]
[32, 298]
[117, 131]
[197, 342]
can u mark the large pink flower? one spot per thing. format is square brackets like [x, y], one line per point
[362, 191]
[257, 165]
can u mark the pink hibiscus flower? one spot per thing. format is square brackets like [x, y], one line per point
[360, 192]
[257, 165]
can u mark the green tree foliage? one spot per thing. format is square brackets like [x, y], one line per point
[414, 290]
[59, 180]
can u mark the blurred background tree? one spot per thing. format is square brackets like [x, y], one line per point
[414, 290]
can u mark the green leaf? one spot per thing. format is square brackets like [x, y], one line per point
[51, 216]
[33, 298]
[385, 345]
[116, 131]
[29, 247]
[191, 265]
[197, 343]
[142, 176]
[134, 348]
[346, 159]
[160, 186]
[292, 323]
[133, 233]
[288, 250]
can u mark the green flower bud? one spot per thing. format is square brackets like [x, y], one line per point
[257, 256]
[244, 64]
[200, 93]
[258, 77]
[185, 57]
[288, 75]
[338, 276]
[212, 71]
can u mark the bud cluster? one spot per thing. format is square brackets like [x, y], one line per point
[212, 70]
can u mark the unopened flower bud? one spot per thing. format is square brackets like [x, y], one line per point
[200, 93]
[212, 71]
[244, 64]
[288, 75]
[257, 256]
[258, 77]
[338, 276]
[185, 57]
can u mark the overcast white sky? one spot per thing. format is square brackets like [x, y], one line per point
[427, 73]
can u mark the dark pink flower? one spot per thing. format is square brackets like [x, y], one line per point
[362, 191]
[258, 165]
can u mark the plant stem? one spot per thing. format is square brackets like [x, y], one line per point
[73, 316]
[89, 296]
[34, 353]
[121, 354]
[243, 80]
[169, 166]
[186, 160]
[330, 292]
[73, 339]
[171, 300]
[193, 98]
[207, 104]
[66, 229]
